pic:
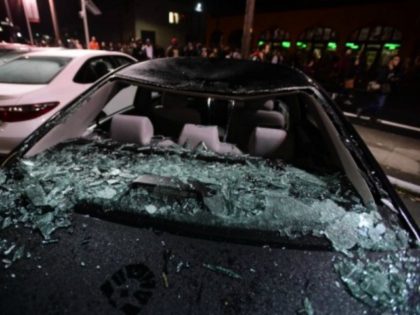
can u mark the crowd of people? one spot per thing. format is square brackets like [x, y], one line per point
[337, 72]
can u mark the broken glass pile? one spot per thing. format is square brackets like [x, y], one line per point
[199, 187]
[246, 193]
[381, 283]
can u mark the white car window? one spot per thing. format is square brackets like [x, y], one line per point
[94, 69]
[123, 60]
[32, 70]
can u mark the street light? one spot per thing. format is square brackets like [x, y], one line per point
[198, 7]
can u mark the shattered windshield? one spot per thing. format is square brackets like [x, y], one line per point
[197, 187]
[271, 165]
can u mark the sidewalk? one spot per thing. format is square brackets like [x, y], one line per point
[398, 155]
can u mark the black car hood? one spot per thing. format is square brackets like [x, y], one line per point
[101, 267]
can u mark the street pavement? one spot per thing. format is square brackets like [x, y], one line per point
[399, 156]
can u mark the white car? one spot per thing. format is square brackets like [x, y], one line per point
[9, 51]
[36, 85]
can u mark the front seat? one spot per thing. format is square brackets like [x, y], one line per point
[244, 119]
[193, 135]
[266, 142]
[132, 129]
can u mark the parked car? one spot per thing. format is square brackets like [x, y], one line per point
[9, 51]
[196, 186]
[36, 85]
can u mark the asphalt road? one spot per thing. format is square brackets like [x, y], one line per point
[399, 157]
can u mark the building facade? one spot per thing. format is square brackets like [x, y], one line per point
[162, 20]
[380, 29]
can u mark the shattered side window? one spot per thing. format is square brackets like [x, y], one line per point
[193, 187]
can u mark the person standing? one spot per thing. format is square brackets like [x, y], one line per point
[173, 49]
[77, 44]
[93, 44]
[189, 50]
[386, 79]
[148, 49]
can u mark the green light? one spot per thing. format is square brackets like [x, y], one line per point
[301, 45]
[286, 44]
[392, 46]
[332, 46]
[352, 46]
[261, 42]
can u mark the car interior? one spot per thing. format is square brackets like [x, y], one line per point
[282, 127]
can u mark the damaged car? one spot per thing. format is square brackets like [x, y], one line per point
[194, 186]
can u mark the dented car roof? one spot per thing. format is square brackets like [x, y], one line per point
[217, 76]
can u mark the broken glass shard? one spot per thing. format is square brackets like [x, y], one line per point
[200, 187]
[386, 284]
[222, 270]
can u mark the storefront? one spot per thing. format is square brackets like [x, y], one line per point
[315, 43]
[375, 45]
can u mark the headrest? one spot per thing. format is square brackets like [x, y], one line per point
[265, 118]
[266, 141]
[132, 129]
[193, 135]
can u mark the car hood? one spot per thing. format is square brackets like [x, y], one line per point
[15, 91]
[103, 267]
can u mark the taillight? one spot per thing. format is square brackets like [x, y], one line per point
[25, 112]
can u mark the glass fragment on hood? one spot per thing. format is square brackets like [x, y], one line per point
[387, 284]
[200, 187]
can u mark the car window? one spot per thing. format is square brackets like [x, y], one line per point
[122, 100]
[121, 61]
[32, 70]
[94, 69]
[6, 55]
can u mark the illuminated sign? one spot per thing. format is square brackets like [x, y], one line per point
[286, 44]
[261, 42]
[173, 17]
[352, 46]
[301, 45]
[392, 46]
[332, 46]
[31, 10]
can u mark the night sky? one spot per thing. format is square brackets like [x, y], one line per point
[68, 16]
[114, 11]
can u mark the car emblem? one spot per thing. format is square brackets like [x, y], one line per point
[130, 288]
